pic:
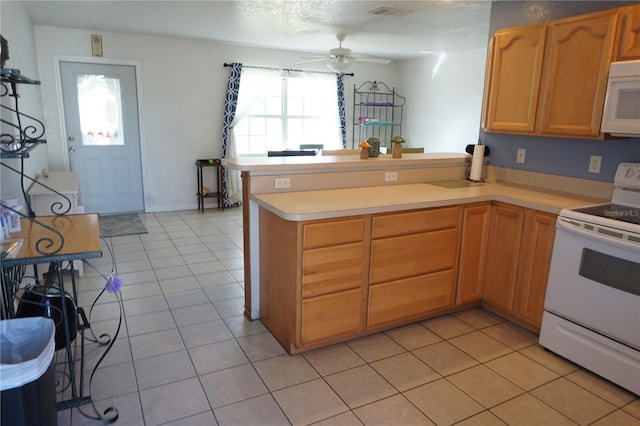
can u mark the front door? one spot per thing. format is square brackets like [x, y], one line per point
[103, 138]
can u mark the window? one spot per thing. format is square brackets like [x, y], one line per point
[100, 108]
[281, 110]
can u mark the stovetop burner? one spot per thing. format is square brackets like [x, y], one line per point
[613, 211]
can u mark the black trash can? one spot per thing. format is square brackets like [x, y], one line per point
[27, 373]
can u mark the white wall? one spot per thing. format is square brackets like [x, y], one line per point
[18, 30]
[182, 90]
[443, 109]
[183, 83]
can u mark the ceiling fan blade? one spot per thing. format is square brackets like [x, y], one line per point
[311, 61]
[373, 60]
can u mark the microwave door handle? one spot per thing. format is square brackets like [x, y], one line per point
[600, 238]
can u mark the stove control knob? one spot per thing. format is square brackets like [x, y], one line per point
[630, 172]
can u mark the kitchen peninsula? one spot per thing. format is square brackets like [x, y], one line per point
[345, 239]
[310, 173]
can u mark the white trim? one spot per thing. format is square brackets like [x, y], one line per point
[57, 59]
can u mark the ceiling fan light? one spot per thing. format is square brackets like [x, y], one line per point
[339, 66]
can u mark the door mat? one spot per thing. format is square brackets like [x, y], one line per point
[121, 224]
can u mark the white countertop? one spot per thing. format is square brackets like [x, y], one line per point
[325, 163]
[331, 203]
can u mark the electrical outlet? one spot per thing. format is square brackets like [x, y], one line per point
[594, 163]
[282, 183]
[520, 156]
[390, 176]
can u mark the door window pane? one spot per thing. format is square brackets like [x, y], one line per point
[100, 104]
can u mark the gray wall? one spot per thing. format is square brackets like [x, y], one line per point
[566, 157]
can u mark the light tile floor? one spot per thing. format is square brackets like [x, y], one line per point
[186, 355]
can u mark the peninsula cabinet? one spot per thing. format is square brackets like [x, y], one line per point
[413, 264]
[550, 78]
[518, 259]
[332, 279]
[329, 280]
[629, 45]
[312, 279]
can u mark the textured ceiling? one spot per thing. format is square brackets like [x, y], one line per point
[303, 26]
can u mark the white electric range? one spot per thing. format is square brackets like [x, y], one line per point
[592, 305]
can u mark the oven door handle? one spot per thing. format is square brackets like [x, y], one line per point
[598, 237]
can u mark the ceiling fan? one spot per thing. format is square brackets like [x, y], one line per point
[340, 58]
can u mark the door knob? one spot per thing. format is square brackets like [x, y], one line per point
[71, 138]
[72, 149]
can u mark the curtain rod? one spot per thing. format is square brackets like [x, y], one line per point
[288, 69]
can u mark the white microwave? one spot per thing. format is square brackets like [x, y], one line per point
[621, 115]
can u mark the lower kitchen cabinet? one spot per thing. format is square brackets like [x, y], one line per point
[413, 263]
[518, 260]
[474, 237]
[326, 281]
[502, 257]
[533, 267]
[330, 316]
[330, 280]
[401, 300]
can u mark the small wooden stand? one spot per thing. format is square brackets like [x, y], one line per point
[218, 193]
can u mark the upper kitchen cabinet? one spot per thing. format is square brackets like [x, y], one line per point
[515, 73]
[575, 80]
[550, 78]
[629, 46]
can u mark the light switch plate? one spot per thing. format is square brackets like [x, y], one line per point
[594, 163]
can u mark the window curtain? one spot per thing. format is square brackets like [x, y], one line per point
[231, 183]
[245, 88]
[343, 119]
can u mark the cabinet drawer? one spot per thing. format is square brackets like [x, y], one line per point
[413, 222]
[331, 269]
[411, 255]
[411, 297]
[331, 315]
[324, 234]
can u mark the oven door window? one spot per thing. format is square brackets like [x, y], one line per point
[612, 271]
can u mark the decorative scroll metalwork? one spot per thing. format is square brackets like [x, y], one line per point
[45, 246]
[58, 208]
[27, 134]
[28, 131]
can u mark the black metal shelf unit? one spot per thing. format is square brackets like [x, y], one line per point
[377, 113]
[21, 134]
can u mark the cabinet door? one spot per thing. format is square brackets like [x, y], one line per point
[330, 269]
[324, 234]
[533, 269]
[411, 255]
[502, 255]
[402, 300]
[516, 69]
[331, 316]
[576, 70]
[473, 253]
[629, 46]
